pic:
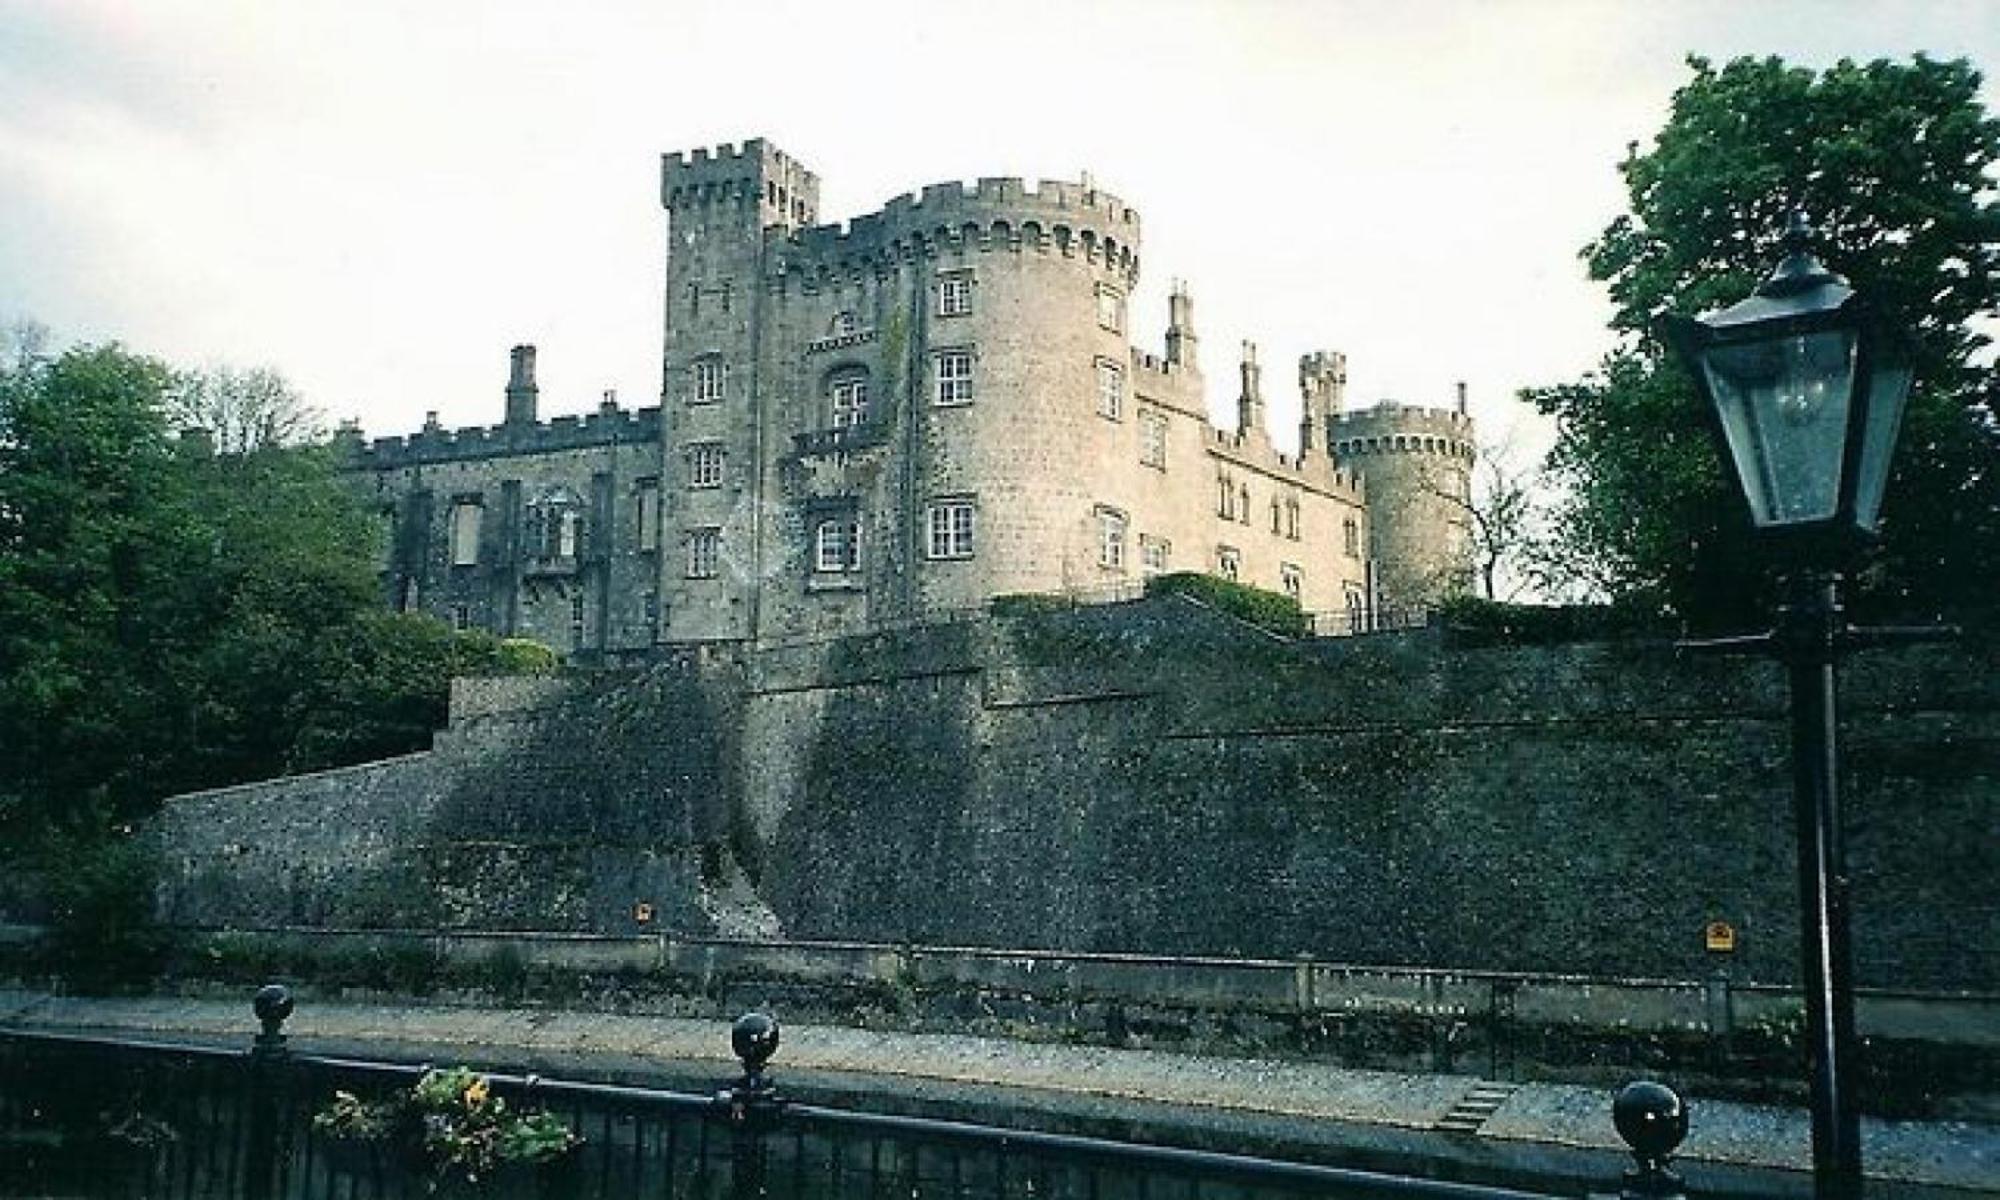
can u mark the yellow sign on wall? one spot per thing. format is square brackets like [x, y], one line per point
[1719, 936]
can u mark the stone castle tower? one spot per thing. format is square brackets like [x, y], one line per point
[1418, 464]
[893, 419]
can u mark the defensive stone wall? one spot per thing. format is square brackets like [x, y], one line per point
[1156, 778]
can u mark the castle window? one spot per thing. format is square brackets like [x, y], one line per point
[1110, 308]
[844, 323]
[1228, 562]
[1110, 390]
[848, 399]
[954, 294]
[1153, 440]
[711, 377]
[554, 527]
[704, 465]
[1290, 578]
[1225, 505]
[1357, 611]
[837, 545]
[1154, 552]
[1350, 537]
[1111, 526]
[704, 552]
[1243, 507]
[1277, 516]
[647, 502]
[465, 533]
[1292, 517]
[461, 616]
[954, 377]
[576, 620]
[950, 525]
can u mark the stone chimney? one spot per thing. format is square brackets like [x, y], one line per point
[522, 393]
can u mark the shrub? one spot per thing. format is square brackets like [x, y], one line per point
[1266, 610]
[451, 1125]
[1470, 621]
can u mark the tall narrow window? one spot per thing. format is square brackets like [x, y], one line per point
[465, 533]
[954, 377]
[704, 552]
[1350, 537]
[711, 376]
[950, 529]
[1154, 553]
[1111, 539]
[647, 502]
[1277, 516]
[954, 294]
[1110, 308]
[1243, 504]
[569, 532]
[848, 399]
[1292, 517]
[1110, 390]
[1152, 439]
[576, 619]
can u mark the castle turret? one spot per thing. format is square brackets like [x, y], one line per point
[522, 394]
[1250, 400]
[1181, 339]
[1417, 464]
[1322, 392]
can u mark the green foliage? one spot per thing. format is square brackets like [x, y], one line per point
[1892, 161]
[1267, 610]
[172, 620]
[452, 1124]
[1470, 621]
[99, 897]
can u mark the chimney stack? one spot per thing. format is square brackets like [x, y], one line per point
[522, 393]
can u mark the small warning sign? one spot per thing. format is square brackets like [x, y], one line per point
[1719, 937]
[642, 913]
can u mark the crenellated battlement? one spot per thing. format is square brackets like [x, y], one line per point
[1053, 217]
[1391, 428]
[435, 444]
[757, 172]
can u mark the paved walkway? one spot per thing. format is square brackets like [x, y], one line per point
[1400, 1110]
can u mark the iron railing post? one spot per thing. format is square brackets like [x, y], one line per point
[752, 1106]
[268, 1062]
[1653, 1120]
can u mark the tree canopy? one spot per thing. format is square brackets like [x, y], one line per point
[174, 619]
[1893, 163]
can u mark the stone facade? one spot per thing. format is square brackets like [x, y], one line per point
[894, 420]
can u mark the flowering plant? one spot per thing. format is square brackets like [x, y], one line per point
[453, 1123]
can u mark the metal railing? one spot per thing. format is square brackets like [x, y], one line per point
[99, 1116]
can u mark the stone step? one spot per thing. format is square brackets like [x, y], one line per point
[1472, 1110]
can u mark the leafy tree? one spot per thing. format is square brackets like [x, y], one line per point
[172, 619]
[1893, 162]
[242, 411]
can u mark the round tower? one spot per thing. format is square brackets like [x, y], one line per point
[1417, 464]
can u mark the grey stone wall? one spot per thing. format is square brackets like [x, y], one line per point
[1157, 778]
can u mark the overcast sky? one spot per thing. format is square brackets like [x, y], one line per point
[378, 199]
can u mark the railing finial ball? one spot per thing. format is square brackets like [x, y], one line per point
[273, 1005]
[1653, 1120]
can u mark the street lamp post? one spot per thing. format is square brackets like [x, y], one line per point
[1806, 388]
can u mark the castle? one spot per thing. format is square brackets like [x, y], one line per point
[899, 418]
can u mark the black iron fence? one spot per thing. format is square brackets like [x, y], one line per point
[91, 1116]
